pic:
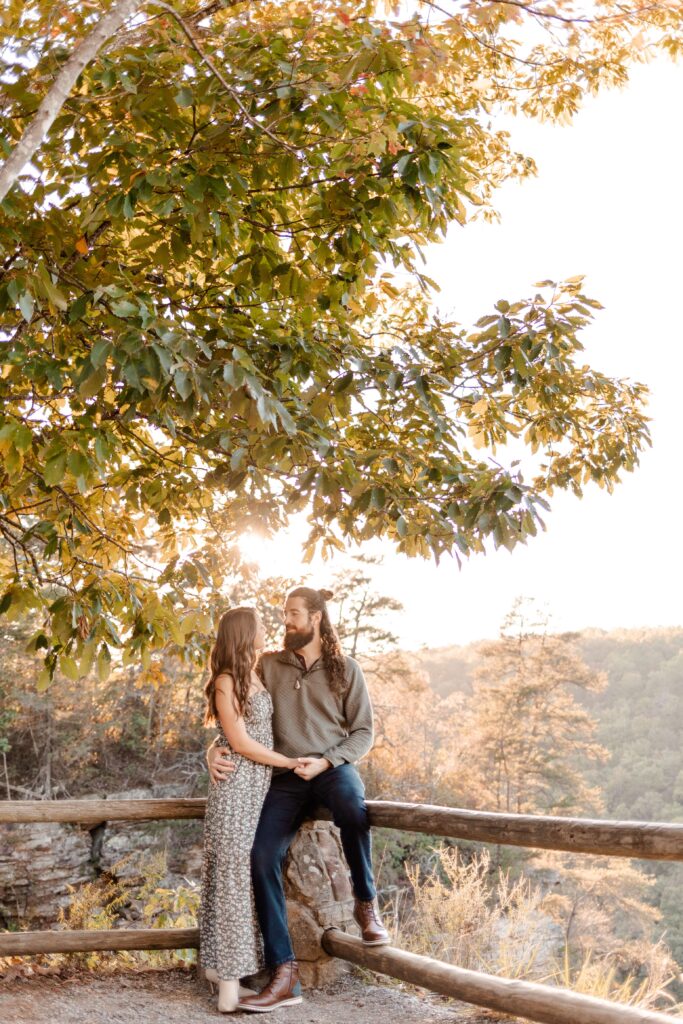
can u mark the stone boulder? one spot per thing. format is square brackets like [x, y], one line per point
[319, 896]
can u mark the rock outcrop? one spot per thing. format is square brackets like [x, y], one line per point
[38, 863]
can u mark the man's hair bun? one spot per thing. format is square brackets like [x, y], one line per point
[326, 595]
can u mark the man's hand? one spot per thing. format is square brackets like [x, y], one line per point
[220, 765]
[309, 767]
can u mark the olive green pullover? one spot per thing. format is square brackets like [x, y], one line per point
[311, 721]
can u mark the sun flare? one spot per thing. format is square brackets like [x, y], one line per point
[279, 555]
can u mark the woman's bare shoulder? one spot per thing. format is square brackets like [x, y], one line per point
[225, 681]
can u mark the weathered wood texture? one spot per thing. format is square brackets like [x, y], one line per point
[93, 812]
[24, 943]
[649, 840]
[541, 1003]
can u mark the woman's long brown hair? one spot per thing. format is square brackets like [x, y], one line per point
[334, 661]
[233, 652]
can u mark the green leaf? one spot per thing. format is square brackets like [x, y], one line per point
[103, 663]
[78, 308]
[378, 497]
[87, 657]
[343, 383]
[23, 438]
[27, 305]
[502, 357]
[68, 667]
[44, 679]
[55, 468]
[100, 351]
[124, 308]
[102, 448]
[127, 82]
[403, 164]
[78, 464]
[157, 177]
[184, 97]
[183, 384]
[115, 205]
[92, 384]
[234, 374]
[196, 187]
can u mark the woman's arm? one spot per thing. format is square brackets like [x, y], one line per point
[236, 733]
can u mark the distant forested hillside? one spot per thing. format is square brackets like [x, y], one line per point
[640, 722]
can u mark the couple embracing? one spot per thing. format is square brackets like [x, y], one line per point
[292, 724]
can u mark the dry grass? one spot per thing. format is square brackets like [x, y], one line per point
[644, 983]
[460, 913]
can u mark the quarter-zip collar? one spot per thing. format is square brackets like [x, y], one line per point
[290, 658]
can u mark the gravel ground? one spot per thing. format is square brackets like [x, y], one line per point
[173, 997]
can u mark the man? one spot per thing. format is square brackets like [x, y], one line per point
[321, 709]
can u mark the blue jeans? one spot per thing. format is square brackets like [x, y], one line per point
[288, 802]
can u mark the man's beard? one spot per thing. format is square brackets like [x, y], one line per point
[295, 639]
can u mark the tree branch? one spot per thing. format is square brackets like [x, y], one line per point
[217, 74]
[57, 96]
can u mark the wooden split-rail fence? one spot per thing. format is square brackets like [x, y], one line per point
[543, 1003]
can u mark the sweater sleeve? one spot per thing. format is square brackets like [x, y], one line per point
[359, 724]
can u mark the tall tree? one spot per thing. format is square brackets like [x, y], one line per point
[201, 328]
[529, 739]
[361, 611]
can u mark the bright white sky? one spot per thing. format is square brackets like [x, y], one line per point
[607, 203]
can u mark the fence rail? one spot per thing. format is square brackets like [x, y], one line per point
[640, 839]
[26, 943]
[542, 1003]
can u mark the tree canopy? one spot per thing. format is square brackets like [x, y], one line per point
[213, 311]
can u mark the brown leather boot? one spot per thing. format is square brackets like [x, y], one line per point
[283, 989]
[367, 917]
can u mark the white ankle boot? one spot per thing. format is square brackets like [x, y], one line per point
[228, 995]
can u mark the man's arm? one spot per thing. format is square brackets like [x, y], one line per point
[358, 714]
[359, 723]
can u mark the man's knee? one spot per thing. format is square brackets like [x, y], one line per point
[349, 809]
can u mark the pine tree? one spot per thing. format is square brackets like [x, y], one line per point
[528, 737]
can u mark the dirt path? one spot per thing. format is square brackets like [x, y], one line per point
[173, 997]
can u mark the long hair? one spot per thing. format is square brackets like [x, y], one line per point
[232, 652]
[334, 662]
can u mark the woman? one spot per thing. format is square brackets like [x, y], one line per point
[240, 706]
